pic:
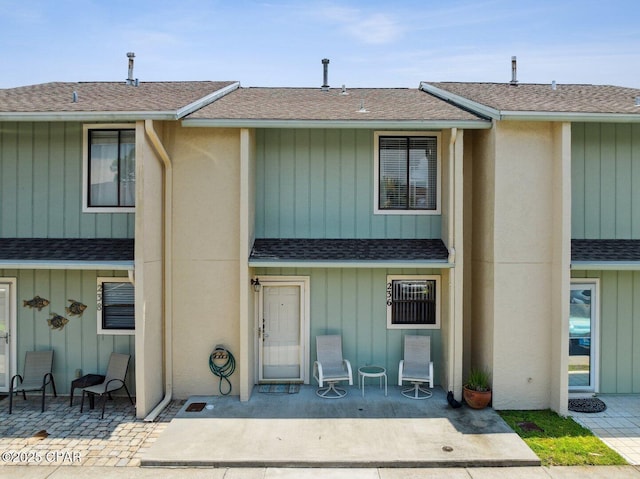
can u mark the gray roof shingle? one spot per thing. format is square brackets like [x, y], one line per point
[315, 104]
[106, 96]
[527, 97]
[302, 249]
[604, 250]
[66, 249]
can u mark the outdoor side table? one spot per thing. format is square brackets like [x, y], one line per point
[372, 372]
[84, 382]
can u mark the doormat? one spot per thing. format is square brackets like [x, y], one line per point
[195, 407]
[279, 388]
[2, 396]
[587, 405]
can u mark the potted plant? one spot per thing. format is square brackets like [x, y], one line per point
[477, 390]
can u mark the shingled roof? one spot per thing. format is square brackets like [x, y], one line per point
[542, 98]
[146, 98]
[95, 252]
[605, 251]
[357, 104]
[348, 250]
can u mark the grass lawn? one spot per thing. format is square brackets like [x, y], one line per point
[559, 441]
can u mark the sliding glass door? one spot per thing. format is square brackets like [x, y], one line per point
[583, 337]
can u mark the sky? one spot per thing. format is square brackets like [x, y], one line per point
[370, 43]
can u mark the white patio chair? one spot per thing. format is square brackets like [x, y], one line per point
[37, 374]
[113, 380]
[331, 367]
[416, 367]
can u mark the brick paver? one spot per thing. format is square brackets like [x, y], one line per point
[64, 436]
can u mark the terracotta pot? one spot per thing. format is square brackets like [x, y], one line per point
[476, 399]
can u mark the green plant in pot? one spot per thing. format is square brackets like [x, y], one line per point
[477, 389]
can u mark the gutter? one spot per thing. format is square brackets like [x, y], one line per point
[570, 116]
[605, 265]
[159, 149]
[75, 265]
[447, 264]
[361, 124]
[89, 116]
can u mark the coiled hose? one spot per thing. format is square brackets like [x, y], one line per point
[222, 364]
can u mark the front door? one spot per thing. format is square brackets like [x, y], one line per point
[281, 327]
[7, 325]
[583, 325]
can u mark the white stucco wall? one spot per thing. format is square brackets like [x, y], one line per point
[149, 358]
[517, 231]
[206, 242]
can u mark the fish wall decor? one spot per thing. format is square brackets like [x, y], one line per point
[56, 321]
[37, 302]
[76, 308]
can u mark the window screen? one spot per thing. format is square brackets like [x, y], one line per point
[408, 173]
[118, 305]
[112, 168]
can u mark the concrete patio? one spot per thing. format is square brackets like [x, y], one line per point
[303, 430]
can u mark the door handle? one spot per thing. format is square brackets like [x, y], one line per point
[6, 337]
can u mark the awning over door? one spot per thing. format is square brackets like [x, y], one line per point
[382, 253]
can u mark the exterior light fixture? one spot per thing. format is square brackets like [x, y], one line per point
[256, 285]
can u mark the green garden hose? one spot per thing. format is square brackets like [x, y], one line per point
[222, 364]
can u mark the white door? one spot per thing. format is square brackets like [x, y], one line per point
[583, 338]
[281, 343]
[7, 325]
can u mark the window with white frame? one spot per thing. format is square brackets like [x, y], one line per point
[116, 306]
[407, 173]
[413, 302]
[110, 168]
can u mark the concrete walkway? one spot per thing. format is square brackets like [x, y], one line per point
[82, 445]
[303, 430]
[71, 472]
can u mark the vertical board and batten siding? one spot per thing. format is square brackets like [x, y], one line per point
[352, 302]
[41, 185]
[619, 331]
[314, 183]
[605, 181]
[77, 345]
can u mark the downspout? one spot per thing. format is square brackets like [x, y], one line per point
[452, 197]
[159, 149]
[452, 259]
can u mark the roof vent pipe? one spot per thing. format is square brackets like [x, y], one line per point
[514, 71]
[325, 68]
[638, 101]
[130, 56]
[554, 86]
[75, 97]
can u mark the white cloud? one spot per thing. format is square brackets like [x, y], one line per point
[373, 28]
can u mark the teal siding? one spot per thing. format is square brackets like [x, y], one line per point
[619, 330]
[352, 302]
[77, 345]
[319, 184]
[605, 178]
[41, 185]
